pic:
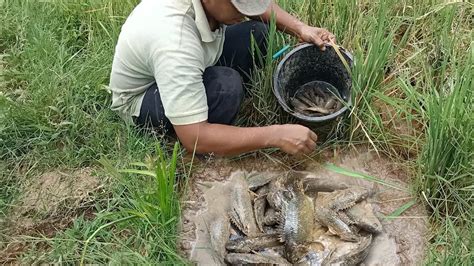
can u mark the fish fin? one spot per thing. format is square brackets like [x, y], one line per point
[345, 218]
[235, 220]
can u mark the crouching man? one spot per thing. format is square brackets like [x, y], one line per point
[179, 65]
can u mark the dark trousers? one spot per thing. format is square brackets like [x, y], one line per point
[223, 82]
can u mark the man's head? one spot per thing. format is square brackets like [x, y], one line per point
[233, 11]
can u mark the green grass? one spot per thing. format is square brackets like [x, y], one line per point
[412, 100]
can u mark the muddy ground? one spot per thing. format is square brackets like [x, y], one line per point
[48, 204]
[51, 202]
[403, 242]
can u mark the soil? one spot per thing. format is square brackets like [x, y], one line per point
[404, 239]
[48, 204]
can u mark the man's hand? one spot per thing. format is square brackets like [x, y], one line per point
[318, 36]
[289, 24]
[294, 139]
[228, 140]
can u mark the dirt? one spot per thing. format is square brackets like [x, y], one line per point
[48, 204]
[54, 193]
[404, 239]
[216, 198]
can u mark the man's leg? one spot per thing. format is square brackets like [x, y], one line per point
[237, 52]
[152, 113]
[224, 95]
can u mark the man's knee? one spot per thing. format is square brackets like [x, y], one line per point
[225, 93]
[223, 80]
[224, 87]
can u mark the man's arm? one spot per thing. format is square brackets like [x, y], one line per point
[285, 22]
[291, 25]
[229, 140]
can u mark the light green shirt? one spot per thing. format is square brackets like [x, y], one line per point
[170, 42]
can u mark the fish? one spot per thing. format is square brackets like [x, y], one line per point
[271, 217]
[259, 205]
[312, 95]
[322, 184]
[354, 256]
[241, 213]
[330, 103]
[317, 109]
[219, 233]
[259, 180]
[275, 195]
[335, 224]
[319, 101]
[346, 198]
[249, 244]
[306, 101]
[314, 258]
[257, 258]
[328, 211]
[298, 223]
[362, 215]
[298, 105]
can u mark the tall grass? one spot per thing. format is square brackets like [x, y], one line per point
[54, 113]
[59, 56]
[446, 164]
[448, 156]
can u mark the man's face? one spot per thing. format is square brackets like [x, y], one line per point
[223, 11]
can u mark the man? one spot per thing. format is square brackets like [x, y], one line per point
[179, 65]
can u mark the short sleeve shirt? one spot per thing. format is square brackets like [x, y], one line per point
[168, 42]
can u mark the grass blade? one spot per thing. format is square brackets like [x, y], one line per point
[138, 172]
[346, 172]
[400, 210]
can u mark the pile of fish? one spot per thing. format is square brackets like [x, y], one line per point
[311, 100]
[294, 219]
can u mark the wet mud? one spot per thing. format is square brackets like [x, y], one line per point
[402, 242]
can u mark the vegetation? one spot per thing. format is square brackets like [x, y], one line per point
[412, 100]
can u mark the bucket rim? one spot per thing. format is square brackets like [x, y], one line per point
[283, 103]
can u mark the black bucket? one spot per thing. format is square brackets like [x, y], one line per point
[307, 64]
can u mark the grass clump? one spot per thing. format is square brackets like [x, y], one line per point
[448, 155]
[54, 114]
[135, 224]
[446, 166]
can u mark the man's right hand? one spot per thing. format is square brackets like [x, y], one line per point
[293, 139]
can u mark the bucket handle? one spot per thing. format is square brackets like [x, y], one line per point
[281, 52]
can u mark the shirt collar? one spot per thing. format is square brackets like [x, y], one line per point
[203, 24]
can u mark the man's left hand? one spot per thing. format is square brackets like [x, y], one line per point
[318, 36]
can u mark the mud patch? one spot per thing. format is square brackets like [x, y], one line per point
[218, 204]
[407, 233]
[55, 193]
[208, 175]
[402, 243]
[48, 203]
